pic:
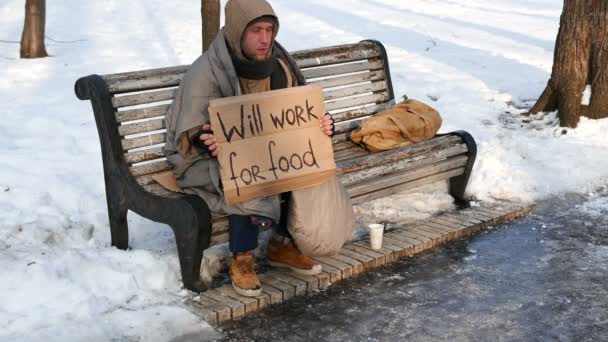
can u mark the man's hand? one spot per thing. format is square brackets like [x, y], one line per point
[209, 141]
[327, 125]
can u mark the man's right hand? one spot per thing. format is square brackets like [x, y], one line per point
[209, 141]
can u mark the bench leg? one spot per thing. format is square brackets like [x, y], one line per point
[192, 235]
[117, 212]
[458, 184]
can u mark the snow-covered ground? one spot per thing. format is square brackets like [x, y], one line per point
[475, 61]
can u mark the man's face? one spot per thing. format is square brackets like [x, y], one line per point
[257, 40]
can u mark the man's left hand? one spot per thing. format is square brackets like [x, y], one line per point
[327, 125]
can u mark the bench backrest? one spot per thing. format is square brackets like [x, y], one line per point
[355, 79]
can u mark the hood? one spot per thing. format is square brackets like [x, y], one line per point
[239, 13]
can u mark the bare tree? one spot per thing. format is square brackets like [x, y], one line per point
[32, 38]
[210, 13]
[581, 59]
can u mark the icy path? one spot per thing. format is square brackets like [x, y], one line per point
[542, 278]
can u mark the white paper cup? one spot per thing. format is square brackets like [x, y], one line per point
[375, 235]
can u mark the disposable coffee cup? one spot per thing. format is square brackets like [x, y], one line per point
[375, 235]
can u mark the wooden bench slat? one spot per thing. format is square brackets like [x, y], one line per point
[125, 116]
[468, 219]
[350, 153]
[428, 232]
[346, 127]
[220, 225]
[367, 261]
[299, 285]
[407, 186]
[156, 82]
[417, 245]
[322, 51]
[398, 154]
[457, 220]
[146, 180]
[379, 258]
[344, 146]
[407, 249]
[205, 313]
[237, 308]
[389, 252]
[346, 269]
[447, 227]
[360, 113]
[479, 214]
[142, 127]
[223, 311]
[382, 182]
[390, 167]
[275, 295]
[464, 228]
[251, 304]
[471, 215]
[357, 101]
[358, 52]
[441, 220]
[145, 79]
[356, 265]
[356, 90]
[143, 98]
[218, 239]
[490, 211]
[312, 282]
[147, 140]
[146, 169]
[286, 289]
[426, 241]
[340, 137]
[144, 155]
[329, 84]
[455, 231]
[339, 69]
[335, 274]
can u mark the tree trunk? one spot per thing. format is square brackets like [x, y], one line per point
[580, 59]
[210, 13]
[32, 38]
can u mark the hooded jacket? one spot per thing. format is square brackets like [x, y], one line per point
[212, 76]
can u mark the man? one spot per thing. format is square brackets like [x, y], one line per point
[244, 58]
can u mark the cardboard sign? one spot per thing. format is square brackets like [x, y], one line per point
[271, 142]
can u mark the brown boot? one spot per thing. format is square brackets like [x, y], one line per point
[287, 255]
[242, 271]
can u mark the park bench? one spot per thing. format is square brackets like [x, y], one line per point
[129, 110]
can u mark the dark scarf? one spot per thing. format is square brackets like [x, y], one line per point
[259, 70]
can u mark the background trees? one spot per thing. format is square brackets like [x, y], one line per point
[210, 13]
[580, 59]
[32, 38]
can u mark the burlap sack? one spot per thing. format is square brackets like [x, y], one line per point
[321, 218]
[406, 123]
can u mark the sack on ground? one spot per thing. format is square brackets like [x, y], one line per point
[321, 218]
[406, 123]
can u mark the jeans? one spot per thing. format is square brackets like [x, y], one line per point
[244, 230]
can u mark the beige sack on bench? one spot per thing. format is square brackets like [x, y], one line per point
[406, 123]
[321, 218]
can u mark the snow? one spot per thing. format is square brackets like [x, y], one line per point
[476, 62]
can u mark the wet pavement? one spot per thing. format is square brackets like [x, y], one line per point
[542, 278]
